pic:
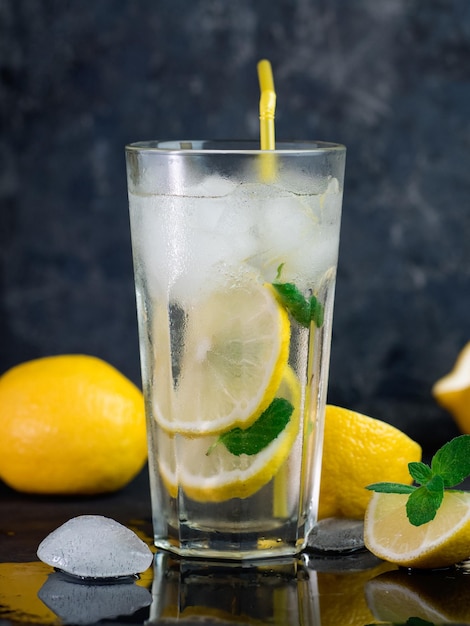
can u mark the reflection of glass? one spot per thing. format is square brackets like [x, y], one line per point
[235, 268]
[274, 593]
[438, 596]
[79, 602]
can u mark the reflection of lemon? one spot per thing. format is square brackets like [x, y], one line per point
[358, 451]
[220, 475]
[341, 596]
[70, 424]
[236, 344]
[19, 586]
[441, 542]
[452, 392]
[443, 597]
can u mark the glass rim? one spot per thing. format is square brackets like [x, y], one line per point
[232, 146]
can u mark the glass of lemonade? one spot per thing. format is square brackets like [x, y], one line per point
[235, 253]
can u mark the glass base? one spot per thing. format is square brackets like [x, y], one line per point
[222, 546]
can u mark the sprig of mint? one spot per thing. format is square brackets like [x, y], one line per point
[449, 467]
[303, 310]
[256, 437]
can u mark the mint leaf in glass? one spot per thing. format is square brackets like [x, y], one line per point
[294, 301]
[303, 310]
[316, 312]
[256, 437]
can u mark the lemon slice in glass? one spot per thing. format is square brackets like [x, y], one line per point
[232, 358]
[210, 473]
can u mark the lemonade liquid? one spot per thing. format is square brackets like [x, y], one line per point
[216, 242]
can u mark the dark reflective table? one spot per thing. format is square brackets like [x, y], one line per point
[317, 590]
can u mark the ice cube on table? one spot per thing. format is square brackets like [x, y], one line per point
[93, 546]
[337, 535]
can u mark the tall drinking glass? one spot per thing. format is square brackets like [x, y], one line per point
[235, 253]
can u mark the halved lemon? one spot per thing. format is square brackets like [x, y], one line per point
[210, 473]
[452, 391]
[441, 542]
[234, 352]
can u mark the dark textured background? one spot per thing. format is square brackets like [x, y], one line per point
[388, 78]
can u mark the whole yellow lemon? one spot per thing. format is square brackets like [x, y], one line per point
[358, 451]
[70, 424]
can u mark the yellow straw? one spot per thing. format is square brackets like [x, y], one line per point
[267, 108]
[267, 105]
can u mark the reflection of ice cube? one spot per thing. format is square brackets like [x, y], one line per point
[78, 603]
[93, 546]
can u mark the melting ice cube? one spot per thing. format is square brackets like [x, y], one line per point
[93, 546]
[337, 535]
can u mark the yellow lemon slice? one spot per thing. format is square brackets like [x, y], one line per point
[234, 352]
[452, 391]
[441, 542]
[220, 475]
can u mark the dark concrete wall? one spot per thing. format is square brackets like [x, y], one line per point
[388, 78]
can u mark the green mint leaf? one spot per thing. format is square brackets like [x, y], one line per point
[316, 312]
[391, 488]
[260, 434]
[303, 310]
[293, 300]
[279, 271]
[423, 503]
[452, 461]
[420, 472]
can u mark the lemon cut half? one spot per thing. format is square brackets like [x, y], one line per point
[441, 542]
[220, 475]
[236, 346]
[452, 391]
